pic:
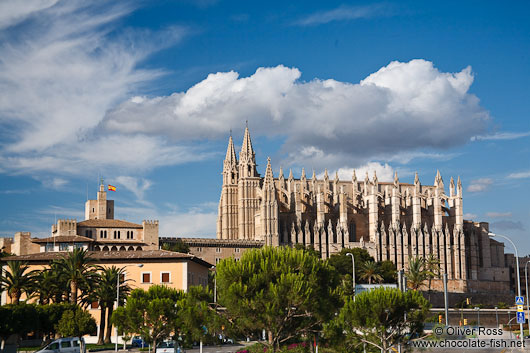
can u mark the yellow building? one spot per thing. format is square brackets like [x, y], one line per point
[143, 269]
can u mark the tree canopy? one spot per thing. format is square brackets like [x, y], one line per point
[383, 317]
[288, 292]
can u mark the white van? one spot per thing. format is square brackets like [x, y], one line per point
[63, 345]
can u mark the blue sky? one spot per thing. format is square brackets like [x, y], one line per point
[144, 94]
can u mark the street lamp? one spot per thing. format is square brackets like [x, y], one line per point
[353, 272]
[518, 275]
[118, 299]
[526, 278]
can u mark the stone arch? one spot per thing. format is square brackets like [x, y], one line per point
[97, 248]
[114, 248]
[105, 248]
[139, 248]
[130, 248]
[122, 248]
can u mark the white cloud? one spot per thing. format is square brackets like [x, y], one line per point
[520, 175]
[501, 136]
[470, 216]
[479, 185]
[197, 221]
[54, 183]
[137, 186]
[326, 123]
[498, 214]
[60, 73]
[15, 11]
[384, 172]
[343, 13]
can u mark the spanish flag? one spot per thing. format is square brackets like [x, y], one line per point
[112, 188]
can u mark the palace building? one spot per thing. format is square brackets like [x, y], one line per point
[392, 220]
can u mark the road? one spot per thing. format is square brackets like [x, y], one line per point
[206, 349]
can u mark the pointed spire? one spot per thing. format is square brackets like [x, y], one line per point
[268, 173]
[246, 147]
[366, 178]
[354, 177]
[416, 179]
[290, 174]
[336, 176]
[231, 152]
[303, 174]
[375, 177]
[459, 187]
[280, 176]
[314, 177]
[396, 180]
[326, 177]
[452, 187]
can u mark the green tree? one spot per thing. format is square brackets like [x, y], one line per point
[286, 291]
[343, 264]
[17, 280]
[196, 320]
[150, 313]
[383, 318]
[17, 319]
[76, 323]
[370, 272]
[387, 269]
[50, 315]
[105, 294]
[177, 246]
[79, 273]
[432, 269]
[416, 274]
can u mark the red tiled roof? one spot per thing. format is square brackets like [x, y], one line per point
[63, 239]
[102, 256]
[108, 223]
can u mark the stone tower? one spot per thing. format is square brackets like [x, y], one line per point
[100, 208]
[227, 225]
[249, 181]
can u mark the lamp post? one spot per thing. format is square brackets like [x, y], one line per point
[118, 299]
[526, 280]
[353, 272]
[518, 275]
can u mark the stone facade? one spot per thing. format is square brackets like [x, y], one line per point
[215, 250]
[392, 220]
[98, 232]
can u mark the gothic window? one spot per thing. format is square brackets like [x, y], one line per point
[352, 236]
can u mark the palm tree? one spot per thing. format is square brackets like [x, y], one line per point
[17, 280]
[370, 272]
[104, 293]
[77, 270]
[432, 269]
[416, 274]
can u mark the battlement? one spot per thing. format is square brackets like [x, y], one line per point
[65, 227]
[150, 222]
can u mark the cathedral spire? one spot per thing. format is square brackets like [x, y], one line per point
[230, 172]
[231, 157]
[416, 179]
[281, 173]
[247, 157]
[396, 180]
[268, 173]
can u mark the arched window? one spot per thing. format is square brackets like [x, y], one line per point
[105, 234]
[118, 234]
[132, 234]
[101, 234]
[115, 234]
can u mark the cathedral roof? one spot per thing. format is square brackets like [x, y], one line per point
[108, 223]
[63, 239]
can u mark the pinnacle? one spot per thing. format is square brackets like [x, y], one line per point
[281, 173]
[396, 180]
[268, 173]
[354, 176]
[290, 173]
[303, 173]
[230, 152]
[314, 177]
[416, 179]
[246, 148]
[336, 175]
